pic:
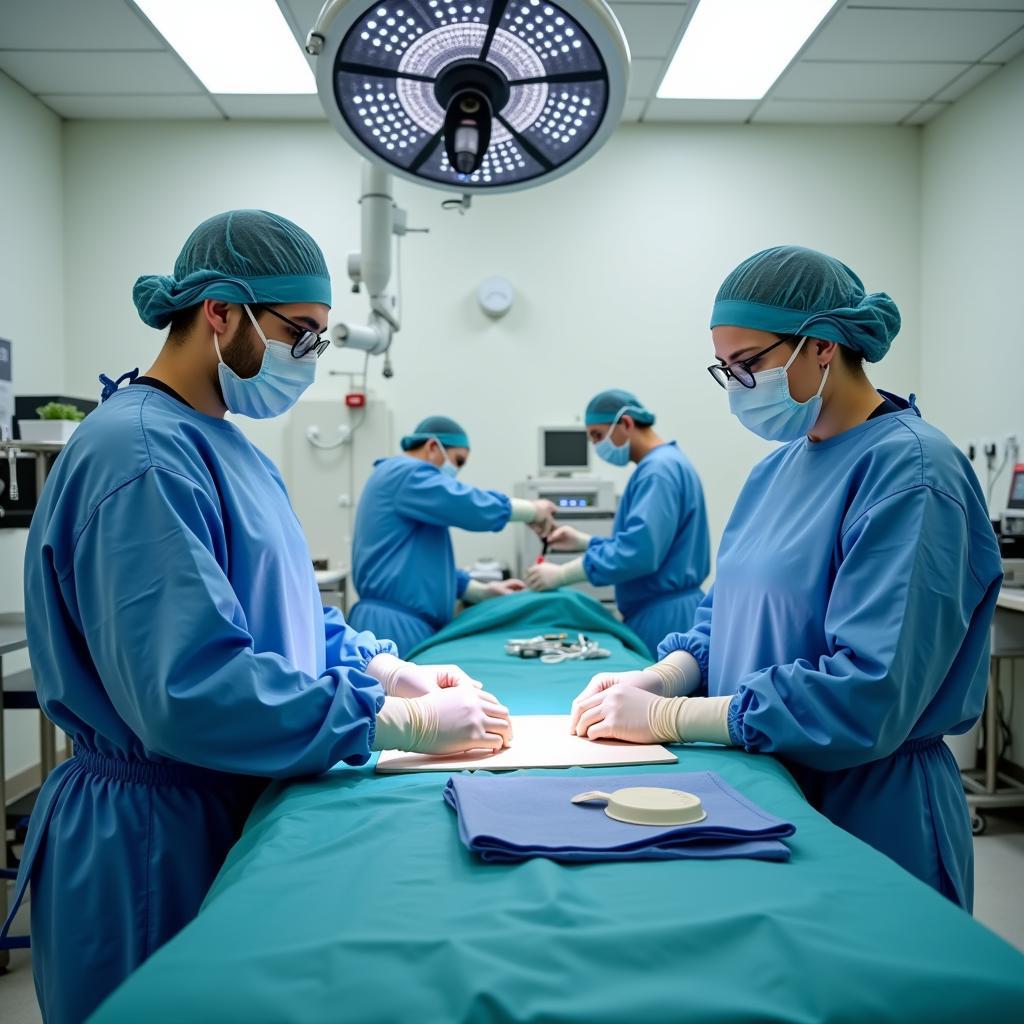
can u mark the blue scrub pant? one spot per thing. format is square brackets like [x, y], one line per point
[910, 806]
[654, 620]
[388, 621]
[120, 855]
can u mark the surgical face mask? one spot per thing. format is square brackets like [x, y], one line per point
[613, 454]
[275, 388]
[447, 467]
[769, 410]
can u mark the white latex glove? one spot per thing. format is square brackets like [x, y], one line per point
[544, 517]
[568, 538]
[620, 713]
[404, 679]
[549, 576]
[447, 721]
[477, 591]
[645, 680]
[544, 576]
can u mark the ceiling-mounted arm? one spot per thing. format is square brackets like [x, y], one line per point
[380, 219]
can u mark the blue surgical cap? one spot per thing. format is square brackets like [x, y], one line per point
[441, 428]
[240, 256]
[792, 290]
[603, 408]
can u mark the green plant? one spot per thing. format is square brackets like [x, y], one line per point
[59, 411]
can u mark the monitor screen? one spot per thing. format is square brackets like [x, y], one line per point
[1017, 488]
[566, 448]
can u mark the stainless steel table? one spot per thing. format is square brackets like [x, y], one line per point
[12, 638]
[988, 787]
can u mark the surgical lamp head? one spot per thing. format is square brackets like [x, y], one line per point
[472, 96]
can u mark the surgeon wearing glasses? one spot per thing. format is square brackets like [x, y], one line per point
[848, 627]
[174, 623]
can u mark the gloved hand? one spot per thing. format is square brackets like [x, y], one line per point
[620, 713]
[544, 576]
[502, 588]
[549, 575]
[404, 679]
[639, 707]
[446, 721]
[645, 680]
[568, 538]
[544, 517]
[477, 591]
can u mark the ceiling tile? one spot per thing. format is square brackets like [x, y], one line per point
[1008, 49]
[721, 111]
[909, 35]
[138, 108]
[840, 112]
[93, 71]
[632, 110]
[651, 29]
[926, 112]
[644, 78]
[854, 80]
[271, 107]
[966, 82]
[76, 25]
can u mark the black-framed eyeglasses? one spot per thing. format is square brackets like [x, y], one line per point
[306, 341]
[742, 371]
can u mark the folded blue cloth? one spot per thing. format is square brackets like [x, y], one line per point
[504, 820]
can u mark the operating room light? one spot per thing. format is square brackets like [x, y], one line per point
[736, 49]
[233, 46]
[473, 95]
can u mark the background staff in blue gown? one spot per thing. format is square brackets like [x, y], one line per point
[848, 627]
[175, 627]
[403, 565]
[659, 552]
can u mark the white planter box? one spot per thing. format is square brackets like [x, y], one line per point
[47, 431]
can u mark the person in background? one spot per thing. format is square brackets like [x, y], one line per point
[848, 628]
[175, 627]
[402, 560]
[659, 552]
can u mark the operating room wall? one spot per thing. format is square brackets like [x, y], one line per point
[31, 317]
[972, 273]
[615, 268]
[972, 267]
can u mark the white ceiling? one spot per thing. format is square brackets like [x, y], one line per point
[871, 61]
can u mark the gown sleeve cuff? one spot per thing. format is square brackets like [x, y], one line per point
[364, 648]
[691, 645]
[735, 723]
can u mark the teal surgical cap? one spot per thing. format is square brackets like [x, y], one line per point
[443, 429]
[603, 408]
[240, 256]
[791, 290]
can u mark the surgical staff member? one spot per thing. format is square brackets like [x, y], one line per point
[659, 552]
[175, 626]
[403, 566]
[848, 627]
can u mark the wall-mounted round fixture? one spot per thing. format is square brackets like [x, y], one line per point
[475, 95]
[496, 296]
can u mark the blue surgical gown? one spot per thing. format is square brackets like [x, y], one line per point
[176, 634]
[402, 561]
[856, 583]
[659, 552]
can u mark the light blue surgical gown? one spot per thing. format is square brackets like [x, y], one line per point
[403, 566]
[176, 634]
[856, 583]
[659, 553]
